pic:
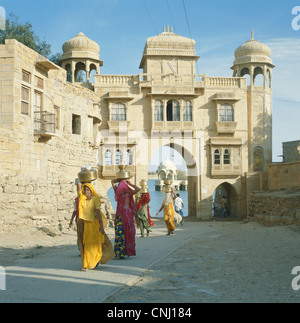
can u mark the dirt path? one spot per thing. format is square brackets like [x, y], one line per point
[237, 262]
[216, 262]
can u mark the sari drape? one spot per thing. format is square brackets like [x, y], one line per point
[124, 221]
[145, 199]
[169, 214]
[94, 246]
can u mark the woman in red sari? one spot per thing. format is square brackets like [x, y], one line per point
[124, 220]
[143, 213]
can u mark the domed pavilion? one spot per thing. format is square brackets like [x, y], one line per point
[81, 54]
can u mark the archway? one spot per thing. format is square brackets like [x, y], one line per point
[246, 73]
[167, 163]
[186, 159]
[227, 191]
[186, 148]
[259, 77]
[80, 72]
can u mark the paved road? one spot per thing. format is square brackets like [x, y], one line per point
[53, 276]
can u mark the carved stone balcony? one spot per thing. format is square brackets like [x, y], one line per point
[226, 127]
[118, 126]
[44, 123]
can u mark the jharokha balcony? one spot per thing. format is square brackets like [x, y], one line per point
[44, 123]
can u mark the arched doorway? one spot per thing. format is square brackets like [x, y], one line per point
[188, 148]
[167, 163]
[186, 158]
[225, 191]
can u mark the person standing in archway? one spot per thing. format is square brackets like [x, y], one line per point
[178, 206]
[223, 207]
[167, 206]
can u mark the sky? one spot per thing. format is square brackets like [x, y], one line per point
[219, 27]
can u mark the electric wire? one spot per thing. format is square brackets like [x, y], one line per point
[187, 19]
[152, 22]
[170, 13]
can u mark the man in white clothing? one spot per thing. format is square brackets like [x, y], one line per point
[178, 206]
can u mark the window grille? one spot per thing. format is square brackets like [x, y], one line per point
[118, 157]
[158, 111]
[44, 122]
[118, 112]
[25, 100]
[226, 113]
[108, 157]
[217, 159]
[173, 111]
[226, 157]
[187, 111]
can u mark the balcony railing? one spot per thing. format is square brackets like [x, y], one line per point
[44, 123]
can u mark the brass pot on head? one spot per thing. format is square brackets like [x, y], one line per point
[144, 186]
[87, 174]
[167, 188]
[123, 173]
[143, 183]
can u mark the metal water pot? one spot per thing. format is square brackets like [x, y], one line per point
[87, 175]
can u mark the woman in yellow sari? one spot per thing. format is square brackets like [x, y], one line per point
[93, 242]
[167, 206]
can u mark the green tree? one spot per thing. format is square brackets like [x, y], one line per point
[25, 35]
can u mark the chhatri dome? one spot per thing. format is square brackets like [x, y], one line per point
[253, 51]
[168, 39]
[167, 169]
[79, 45]
[170, 44]
[81, 54]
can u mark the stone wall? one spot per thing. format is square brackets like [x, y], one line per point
[284, 176]
[37, 173]
[34, 202]
[275, 208]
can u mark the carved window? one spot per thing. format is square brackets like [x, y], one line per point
[118, 157]
[129, 157]
[226, 113]
[25, 101]
[26, 76]
[217, 157]
[187, 111]
[226, 157]
[37, 101]
[158, 111]
[76, 124]
[173, 111]
[108, 157]
[39, 82]
[118, 112]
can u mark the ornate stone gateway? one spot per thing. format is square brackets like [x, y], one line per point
[221, 126]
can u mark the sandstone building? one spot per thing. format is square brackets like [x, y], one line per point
[52, 125]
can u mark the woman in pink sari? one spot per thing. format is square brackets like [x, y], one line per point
[124, 220]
